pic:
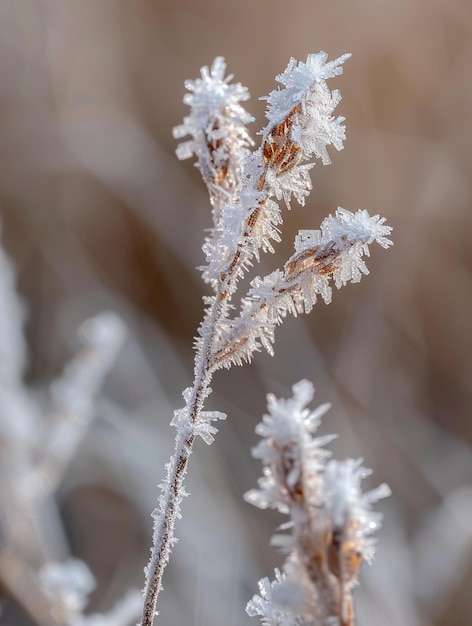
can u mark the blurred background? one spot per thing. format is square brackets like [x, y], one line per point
[97, 213]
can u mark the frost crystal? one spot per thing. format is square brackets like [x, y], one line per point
[299, 80]
[301, 127]
[306, 92]
[201, 426]
[350, 508]
[217, 125]
[292, 456]
[266, 606]
[331, 519]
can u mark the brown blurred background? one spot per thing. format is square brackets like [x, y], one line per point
[98, 213]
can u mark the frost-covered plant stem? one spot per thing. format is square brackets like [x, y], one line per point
[164, 529]
[169, 509]
[245, 189]
[164, 522]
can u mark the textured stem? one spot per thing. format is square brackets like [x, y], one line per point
[279, 156]
[205, 365]
[160, 553]
[164, 526]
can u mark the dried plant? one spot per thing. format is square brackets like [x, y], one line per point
[245, 189]
[37, 444]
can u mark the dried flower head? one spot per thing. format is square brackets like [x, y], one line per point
[331, 518]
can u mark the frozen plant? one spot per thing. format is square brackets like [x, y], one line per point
[37, 444]
[246, 188]
[331, 520]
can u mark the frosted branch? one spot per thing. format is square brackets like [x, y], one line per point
[245, 191]
[12, 342]
[68, 585]
[19, 418]
[333, 253]
[331, 518]
[35, 453]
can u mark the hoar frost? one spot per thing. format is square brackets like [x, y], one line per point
[248, 191]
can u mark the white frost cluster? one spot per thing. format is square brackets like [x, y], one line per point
[202, 426]
[299, 80]
[217, 125]
[74, 397]
[349, 507]
[68, 586]
[288, 448]
[301, 126]
[331, 518]
[350, 227]
[268, 606]
[102, 336]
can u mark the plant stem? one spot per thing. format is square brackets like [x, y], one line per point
[164, 526]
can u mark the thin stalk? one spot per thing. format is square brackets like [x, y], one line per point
[205, 366]
[164, 526]
[280, 154]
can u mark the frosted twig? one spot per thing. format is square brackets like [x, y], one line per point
[332, 253]
[125, 612]
[244, 190]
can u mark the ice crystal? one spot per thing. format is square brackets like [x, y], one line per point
[299, 79]
[291, 455]
[333, 253]
[351, 510]
[200, 426]
[304, 87]
[266, 606]
[301, 127]
[217, 125]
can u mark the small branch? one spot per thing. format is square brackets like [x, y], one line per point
[246, 219]
[319, 258]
